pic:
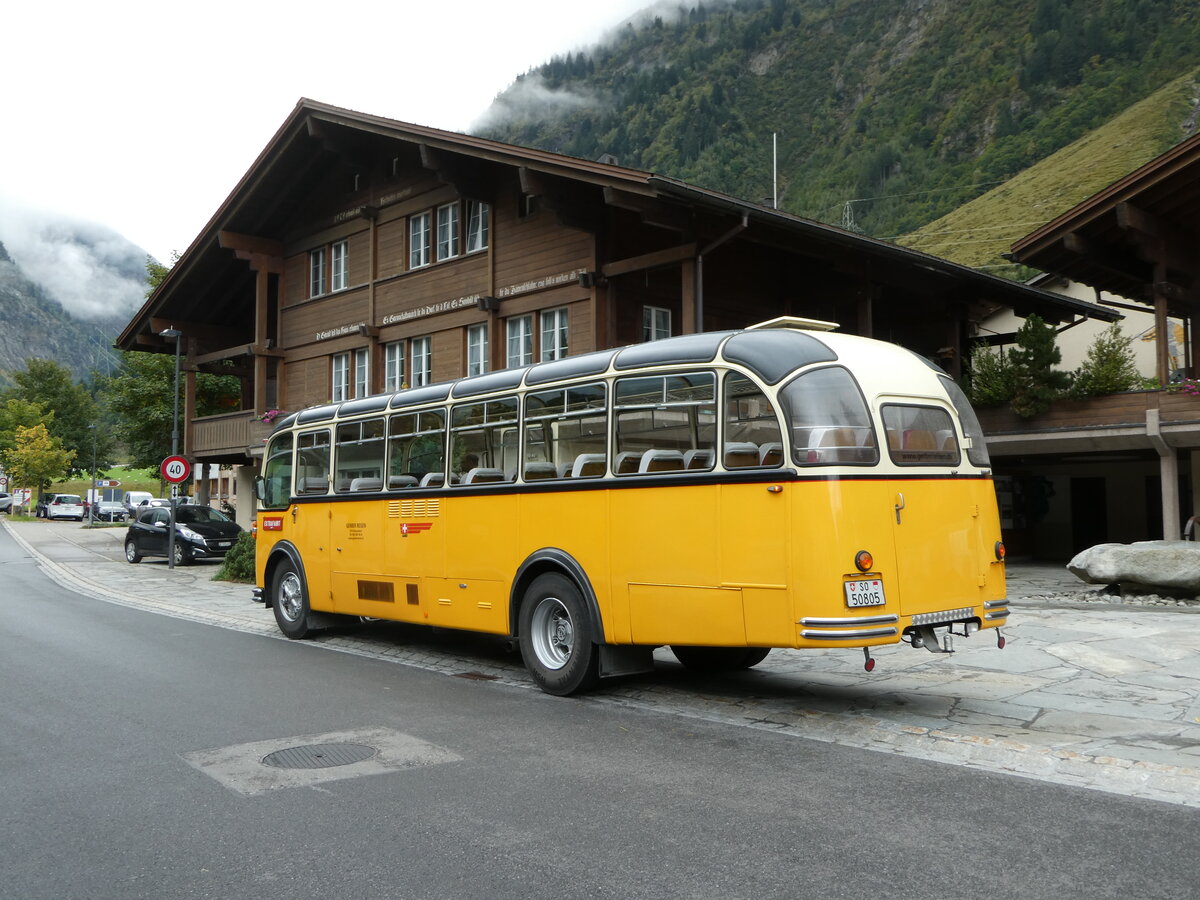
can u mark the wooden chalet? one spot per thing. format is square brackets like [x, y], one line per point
[1127, 466]
[361, 254]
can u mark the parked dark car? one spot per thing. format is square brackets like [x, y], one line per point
[44, 501]
[201, 532]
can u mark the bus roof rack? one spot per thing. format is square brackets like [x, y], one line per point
[797, 322]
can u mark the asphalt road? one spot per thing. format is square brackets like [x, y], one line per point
[115, 725]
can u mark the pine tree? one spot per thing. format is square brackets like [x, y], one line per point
[1035, 380]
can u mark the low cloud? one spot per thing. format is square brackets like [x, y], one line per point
[528, 98]
[94, 272]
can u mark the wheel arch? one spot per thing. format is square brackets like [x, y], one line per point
[552, 559]
[282, 551]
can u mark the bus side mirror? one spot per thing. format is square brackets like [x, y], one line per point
[260, 488]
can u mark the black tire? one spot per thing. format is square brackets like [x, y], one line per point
[713, 660]
[557, 640]
[182, 557]
[289, 599]
[131, 552]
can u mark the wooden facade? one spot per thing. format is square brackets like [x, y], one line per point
[1138, 238]
[609, 248]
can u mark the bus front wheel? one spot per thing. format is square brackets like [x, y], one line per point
[290, 601]
[556, 638]
[719, 659]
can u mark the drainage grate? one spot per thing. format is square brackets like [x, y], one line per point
[319, 756]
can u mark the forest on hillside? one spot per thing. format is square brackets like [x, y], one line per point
[888, 113]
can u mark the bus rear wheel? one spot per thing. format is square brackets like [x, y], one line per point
[290, 601]
[556, 637]
[719, 659]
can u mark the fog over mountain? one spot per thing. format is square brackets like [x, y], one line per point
[94, 272]
[67, 288]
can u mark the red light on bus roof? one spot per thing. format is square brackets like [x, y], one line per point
[864, 561]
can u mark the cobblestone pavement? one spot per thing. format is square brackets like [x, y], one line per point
[1090, 691]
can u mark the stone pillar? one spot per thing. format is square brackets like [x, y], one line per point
[246, 502]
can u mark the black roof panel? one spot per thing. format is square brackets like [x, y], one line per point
[770, 353]
[688, 348]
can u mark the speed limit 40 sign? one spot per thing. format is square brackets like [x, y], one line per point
[175, 469]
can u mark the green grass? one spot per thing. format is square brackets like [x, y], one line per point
[977, 233]
[131, 480]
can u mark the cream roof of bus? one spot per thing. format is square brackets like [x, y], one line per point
[882, 369]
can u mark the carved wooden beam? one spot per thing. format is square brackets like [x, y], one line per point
[455, 170]
[235, 352]
[1158, 240]
[652, 211]
[200, 331]
[667, 257]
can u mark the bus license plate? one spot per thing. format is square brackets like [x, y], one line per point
[864, 593]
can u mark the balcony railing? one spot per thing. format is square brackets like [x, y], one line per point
[235, 434]
[1115, 421]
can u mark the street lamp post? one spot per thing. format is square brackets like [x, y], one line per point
[173, 334]
[95, 496]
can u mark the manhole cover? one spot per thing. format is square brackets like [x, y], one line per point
[319, 756]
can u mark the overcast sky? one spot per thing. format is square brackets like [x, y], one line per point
[144, 115]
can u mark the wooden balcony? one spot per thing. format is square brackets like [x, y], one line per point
[228, 438]
[1126, 421]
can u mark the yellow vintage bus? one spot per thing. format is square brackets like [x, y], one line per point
[720, 493]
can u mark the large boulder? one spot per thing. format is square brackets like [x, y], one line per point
[1170, 565]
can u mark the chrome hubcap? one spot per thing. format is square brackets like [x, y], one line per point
[289, 599]
[552, 633]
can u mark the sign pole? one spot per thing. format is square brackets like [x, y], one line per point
[174, 469]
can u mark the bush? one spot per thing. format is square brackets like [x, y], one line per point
[239, 561]
[991, 381]
[1032, 361]
[1109, 367]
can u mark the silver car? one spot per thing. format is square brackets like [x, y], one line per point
[65, 506]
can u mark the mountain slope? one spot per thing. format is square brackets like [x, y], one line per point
[977, 233]
[889, 113]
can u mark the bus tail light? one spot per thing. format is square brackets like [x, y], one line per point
[864, 561]
[1000, 551]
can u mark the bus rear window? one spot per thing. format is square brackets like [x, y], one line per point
[829, 421]
[920, 435]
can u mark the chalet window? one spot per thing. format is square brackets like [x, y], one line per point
[316, 272]
[478, 214]
[422, 362]
[339, 268]
[393, 366]
[341, 377]
[447, 231]
[520, 341]
[418, 240]
[349, 375]
[656, 323]
[554, 334]
[477, 349]
[361, 368]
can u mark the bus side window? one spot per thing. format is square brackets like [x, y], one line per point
[752, 435]
[277, 472]
[562, 426]
[312, 462]
[483, 441]
[359, 456]
[920, 435]
[415, 447]
[829, 421]
[660, 419]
